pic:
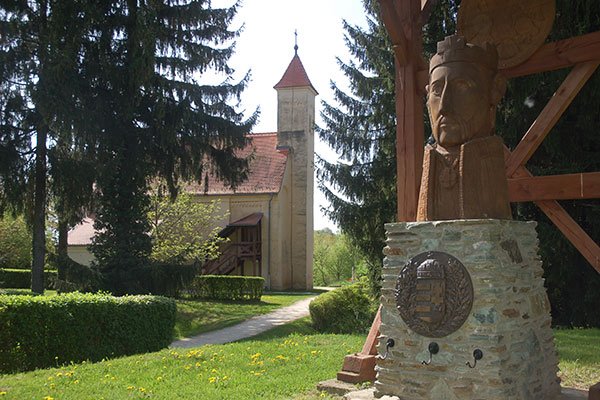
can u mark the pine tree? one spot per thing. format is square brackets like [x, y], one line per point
[362, 128]
[152, 117]
[572, 146]
[363, 197]
[38, 54]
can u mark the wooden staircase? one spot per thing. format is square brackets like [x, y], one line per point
[231, 257]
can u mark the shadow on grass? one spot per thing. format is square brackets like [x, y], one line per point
[581, 345]
[301, 326]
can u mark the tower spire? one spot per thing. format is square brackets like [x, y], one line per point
[296, 42]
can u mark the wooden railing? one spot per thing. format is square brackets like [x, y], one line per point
[231, 256]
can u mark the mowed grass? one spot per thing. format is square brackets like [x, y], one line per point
[579, 355]
[199, 316]
[283, 363]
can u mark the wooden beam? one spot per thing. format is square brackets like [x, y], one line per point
[550, 115]
[370, 345]
[555, 187]
[426, 9]
[563, 221]
[409, 114]
[557, 55]
[393, 25]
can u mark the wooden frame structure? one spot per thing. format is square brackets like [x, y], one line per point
[403, 19]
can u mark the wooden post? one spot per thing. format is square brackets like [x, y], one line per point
[403, 21]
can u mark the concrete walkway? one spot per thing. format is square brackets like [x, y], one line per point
[251, 327]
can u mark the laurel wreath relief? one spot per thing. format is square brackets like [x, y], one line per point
[458, 297]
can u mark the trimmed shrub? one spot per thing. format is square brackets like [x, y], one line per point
[21, 278]
[159, 279]
[227, 287]
[40, 332]
[349, 309]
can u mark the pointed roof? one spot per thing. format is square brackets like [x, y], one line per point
[295, 76]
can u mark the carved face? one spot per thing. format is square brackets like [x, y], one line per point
[459, 103]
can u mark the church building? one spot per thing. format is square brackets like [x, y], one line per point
[270, 215]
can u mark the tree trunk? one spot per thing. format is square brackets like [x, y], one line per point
[61, 248]
[39, 214]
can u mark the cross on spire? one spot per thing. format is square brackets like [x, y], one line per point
[296, 42]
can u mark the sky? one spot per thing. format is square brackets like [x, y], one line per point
[266, 47]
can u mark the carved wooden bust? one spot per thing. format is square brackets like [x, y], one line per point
[463, 172]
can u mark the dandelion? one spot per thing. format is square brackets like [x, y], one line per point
[130, 387]
[212, 379]
[76, 381]
[48, 398]
[159, 378]
[314, 352]
[142, 390]
[2, 393]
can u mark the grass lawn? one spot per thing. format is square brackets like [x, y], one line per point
[579, 355]
[198, 316]
[284, 363]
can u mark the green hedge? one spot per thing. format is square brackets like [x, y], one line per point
[159, 279]
[349, 309]
[227, 287]
[21, 278]
[40, 332]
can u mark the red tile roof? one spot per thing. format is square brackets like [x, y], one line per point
[295, 76]
[267, 167]
[82, 233]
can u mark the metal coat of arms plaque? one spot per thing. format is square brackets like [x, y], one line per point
[434, 294]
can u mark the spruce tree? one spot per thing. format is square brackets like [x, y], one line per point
[361, 127]
[572, 146]
[38, 54]
[153, 118]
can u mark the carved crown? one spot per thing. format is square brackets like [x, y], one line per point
[456, 49]
[430, 269]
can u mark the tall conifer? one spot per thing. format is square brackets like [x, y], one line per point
[361, 127]
[153, 117]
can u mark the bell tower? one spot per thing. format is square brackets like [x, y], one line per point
[295, 133]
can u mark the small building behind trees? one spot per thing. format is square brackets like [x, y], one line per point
[269, 217]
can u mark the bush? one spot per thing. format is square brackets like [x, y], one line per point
[40, 332]
[349, 309]
[227, 287]
[159, 279]
[21, 278]
[15, 243]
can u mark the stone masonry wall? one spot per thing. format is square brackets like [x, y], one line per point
[509, 321]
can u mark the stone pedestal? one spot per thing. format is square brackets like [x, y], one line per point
[509, 320]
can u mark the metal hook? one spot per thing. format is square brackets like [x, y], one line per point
[433, 348]
[389, 343]
[477, 355]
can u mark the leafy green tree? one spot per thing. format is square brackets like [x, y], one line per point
[15, 243]
[361, 126]
[184, 230]
[335, 259]
[152, 116]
